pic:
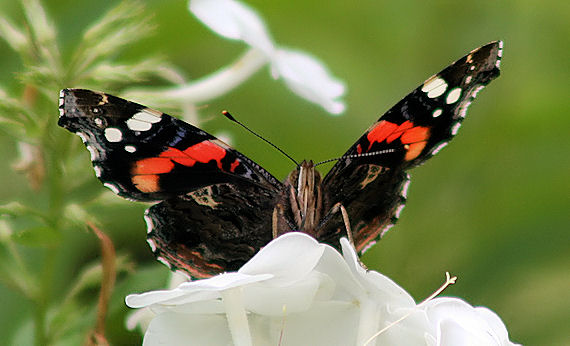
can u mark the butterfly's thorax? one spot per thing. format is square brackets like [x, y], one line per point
[305, 196]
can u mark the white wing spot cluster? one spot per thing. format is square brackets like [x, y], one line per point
[113, 134]
[437, 113]
[499, 55]
[130, 148]
[61, 102]
[434, 87]
[143, 120]
[453, 95]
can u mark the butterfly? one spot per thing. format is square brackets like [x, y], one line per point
[217, 208]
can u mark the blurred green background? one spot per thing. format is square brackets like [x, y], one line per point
[492, 208]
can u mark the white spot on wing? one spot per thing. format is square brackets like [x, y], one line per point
[471, 68]
[404, 192]
[468, 79]
[368, 246]
[499, 55]
[112, 187]
[476, 90]
[455, 128]
[438, 148]
[138, 125]
[399, 211]
[148, 115]
[386, 229]
[437, 113]
[453, 96]
[434, 87]
[97, 170]
[463, 109]
[61, 101]
[149, 223]
[93, 152]
[164, 261]
[82, 135]
[98, 122]
[151, 244]
[113, 134]
[130, 148]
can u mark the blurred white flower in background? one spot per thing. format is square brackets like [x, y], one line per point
[296, 291]
[303, 74]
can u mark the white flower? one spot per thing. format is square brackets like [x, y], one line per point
[296, 291]
[302, 73]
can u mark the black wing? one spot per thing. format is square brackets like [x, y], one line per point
[211, 230]
[147, 155]
[372, 186]
[216, 209]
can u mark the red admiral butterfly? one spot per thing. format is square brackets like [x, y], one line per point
[218, 208]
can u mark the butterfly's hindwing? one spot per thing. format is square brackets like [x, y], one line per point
[211, 230]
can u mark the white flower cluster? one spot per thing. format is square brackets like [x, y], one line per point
[303, 74]
[297, 291]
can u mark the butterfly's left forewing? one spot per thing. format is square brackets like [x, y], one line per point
[371, 180]
[216, 204]
[144, 154]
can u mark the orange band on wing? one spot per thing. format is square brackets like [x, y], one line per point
[146, 183]
[201, 152]
[145, 171]
[416, 134]
[152, 165]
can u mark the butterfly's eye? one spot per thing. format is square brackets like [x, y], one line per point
[100, 122]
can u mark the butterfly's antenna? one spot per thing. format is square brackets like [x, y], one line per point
[229, 116]
[374, 153]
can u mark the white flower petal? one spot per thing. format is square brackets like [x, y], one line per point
[378, 285]
[291, 257]
[194, 290]
[175, 329]
[338, 319]
[233, 20]
[308, 78]
[458, 323]
[269, 300]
